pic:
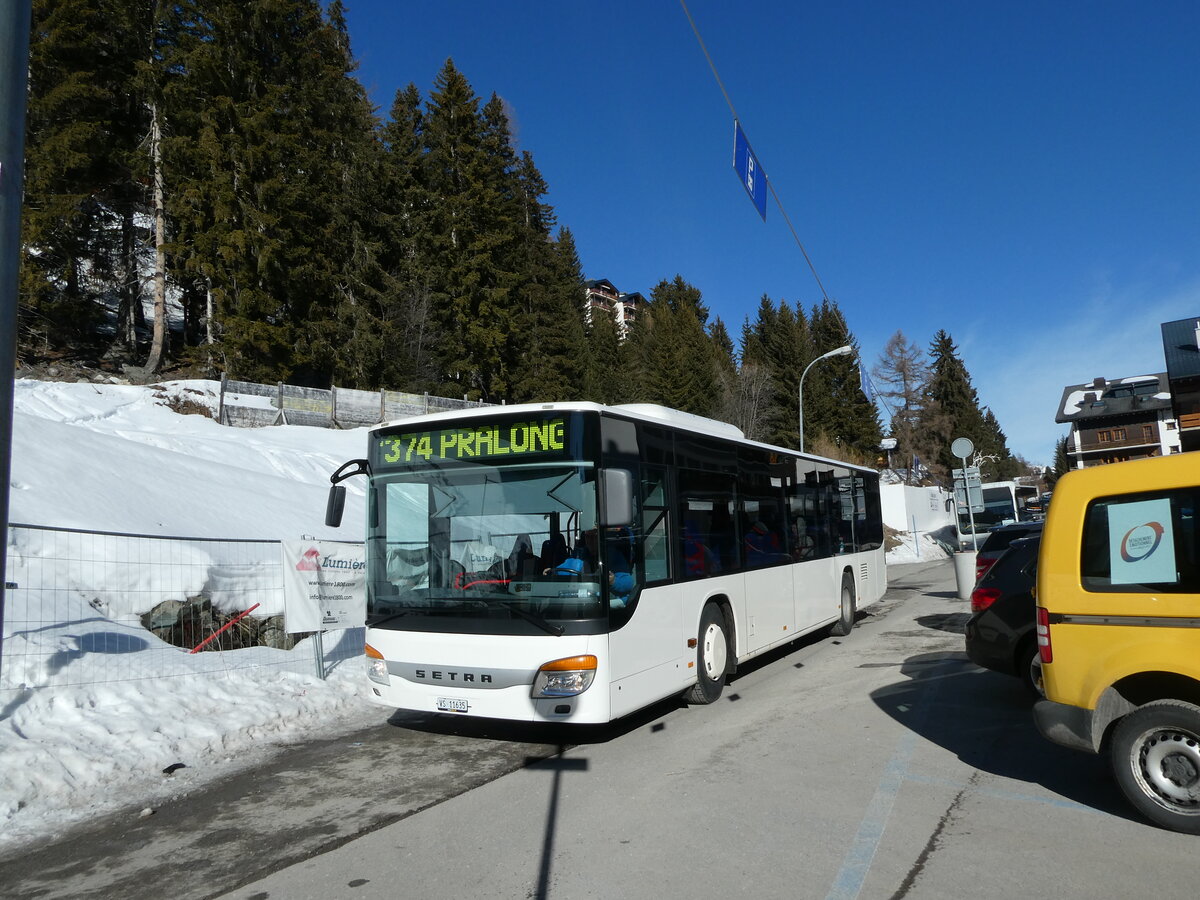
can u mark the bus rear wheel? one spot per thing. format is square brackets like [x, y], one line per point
[846, 621]
[712, 657]
[1156, 760]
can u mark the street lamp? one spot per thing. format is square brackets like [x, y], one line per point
[840, 351]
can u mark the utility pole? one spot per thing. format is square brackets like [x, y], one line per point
[14, 77]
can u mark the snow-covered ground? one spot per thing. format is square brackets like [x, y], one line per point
[117, 458]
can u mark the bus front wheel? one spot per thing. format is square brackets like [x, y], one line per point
[1156, 759]
[712, 657]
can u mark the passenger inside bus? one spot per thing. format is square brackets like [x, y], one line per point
[803, 545]
[585, 560]
[521, 561]
[762, 545]
[698, 559]
[554, 551]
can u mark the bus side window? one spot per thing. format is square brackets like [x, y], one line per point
[707, 531]
[655, 544]
[807, 512]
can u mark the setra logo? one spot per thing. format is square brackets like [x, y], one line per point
[310, 561]
[1140, 541]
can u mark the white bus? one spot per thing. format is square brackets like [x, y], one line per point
[575, 562]
[1004, 502]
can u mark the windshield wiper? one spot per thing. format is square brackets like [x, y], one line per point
[402, 612]
[556, 630]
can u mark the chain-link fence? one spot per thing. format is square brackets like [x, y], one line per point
[88, 607]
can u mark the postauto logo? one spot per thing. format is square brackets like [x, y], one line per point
[1141, 541]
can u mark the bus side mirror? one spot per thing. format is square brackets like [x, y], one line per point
[617, 488]
[337, 493]
[333, 508]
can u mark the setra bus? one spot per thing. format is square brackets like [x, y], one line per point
[576, 562]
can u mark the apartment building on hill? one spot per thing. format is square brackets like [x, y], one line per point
[603, 297]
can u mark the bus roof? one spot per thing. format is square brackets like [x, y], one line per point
[646, 412]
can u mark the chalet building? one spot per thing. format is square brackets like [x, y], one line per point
[603, 297]
[1181, 347]
[1112, 421]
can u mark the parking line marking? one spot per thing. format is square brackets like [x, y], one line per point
[849, 880]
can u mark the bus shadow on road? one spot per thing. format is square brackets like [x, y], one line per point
[986, 720]
[551, 735]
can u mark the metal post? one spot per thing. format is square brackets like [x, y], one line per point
[14, 74]
[319, 649]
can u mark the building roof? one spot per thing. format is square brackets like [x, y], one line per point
[1103, 399]
[1180, 339]
[600, 282]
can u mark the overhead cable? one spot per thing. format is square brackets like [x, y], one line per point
[736, 118]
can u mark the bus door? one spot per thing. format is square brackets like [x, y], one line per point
[646, 642]
[765, 557]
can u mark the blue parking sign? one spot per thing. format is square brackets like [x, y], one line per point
[745, 163]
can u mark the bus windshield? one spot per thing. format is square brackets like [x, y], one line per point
[999, 508]
[499, 546]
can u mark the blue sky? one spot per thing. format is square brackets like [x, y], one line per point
[1021, 174]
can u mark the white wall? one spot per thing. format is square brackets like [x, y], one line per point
[901, 503]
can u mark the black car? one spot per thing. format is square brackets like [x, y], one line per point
[1000, 633]
[997, 542]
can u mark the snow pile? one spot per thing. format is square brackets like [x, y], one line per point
[117, 458]
[923, 549]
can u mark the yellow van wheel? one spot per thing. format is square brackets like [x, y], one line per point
[1156, 760]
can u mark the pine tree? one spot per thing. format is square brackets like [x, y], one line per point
[779, 343]
[556, 356]
[404, 206]
[677, 363]
[1062, 462]
[470, 225]
[835, 405]
[269, 129]
[84, 127]
[952, 410]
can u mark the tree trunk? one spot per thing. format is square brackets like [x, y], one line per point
[158, 344]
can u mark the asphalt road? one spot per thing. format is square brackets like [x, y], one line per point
[879, 765]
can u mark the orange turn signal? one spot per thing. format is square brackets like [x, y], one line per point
[570, 664]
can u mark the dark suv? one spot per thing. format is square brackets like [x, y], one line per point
[997, 542]
[1001, 632]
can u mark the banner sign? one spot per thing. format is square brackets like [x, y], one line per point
[324, 586]
[745, 163]
[1142, 543]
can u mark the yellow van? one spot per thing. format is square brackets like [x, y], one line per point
[1118, 623]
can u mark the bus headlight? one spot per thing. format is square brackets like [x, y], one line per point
[376, 666]
[565, 677]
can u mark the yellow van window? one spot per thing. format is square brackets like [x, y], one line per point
[1142, 543]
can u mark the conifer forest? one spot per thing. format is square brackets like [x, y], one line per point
[209, 189]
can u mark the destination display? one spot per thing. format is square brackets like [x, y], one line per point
[482, 442]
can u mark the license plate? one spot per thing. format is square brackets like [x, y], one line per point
[451, 704]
